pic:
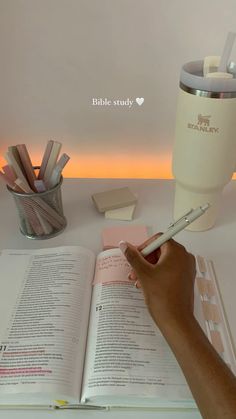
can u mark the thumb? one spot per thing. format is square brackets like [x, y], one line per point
[135, 258]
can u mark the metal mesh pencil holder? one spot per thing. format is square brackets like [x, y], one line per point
[40, 214]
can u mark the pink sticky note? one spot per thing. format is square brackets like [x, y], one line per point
[111, 268]
[111, 236]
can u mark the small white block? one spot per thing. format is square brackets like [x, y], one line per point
[125, 213]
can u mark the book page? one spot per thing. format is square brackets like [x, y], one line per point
[44, 311]
[127, 356]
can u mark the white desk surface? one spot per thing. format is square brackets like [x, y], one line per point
[154, 209]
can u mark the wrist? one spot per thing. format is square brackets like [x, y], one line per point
[172, 324]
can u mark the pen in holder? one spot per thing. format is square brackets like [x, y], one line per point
[40, 214]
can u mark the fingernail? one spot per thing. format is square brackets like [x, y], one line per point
[123, 246]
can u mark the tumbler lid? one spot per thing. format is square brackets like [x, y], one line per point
[192, 80]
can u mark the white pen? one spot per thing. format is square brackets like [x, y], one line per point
[175, 228]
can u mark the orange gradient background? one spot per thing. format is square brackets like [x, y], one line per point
[116, 166]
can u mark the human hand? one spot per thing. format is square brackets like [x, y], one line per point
[167, 280]
[152, 258]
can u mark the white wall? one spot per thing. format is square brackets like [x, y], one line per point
[56, 55]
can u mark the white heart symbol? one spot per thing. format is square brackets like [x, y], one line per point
[139, 100]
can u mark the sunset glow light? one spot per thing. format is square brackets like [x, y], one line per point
[115, 166]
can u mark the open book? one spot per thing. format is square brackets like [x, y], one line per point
[75, 332]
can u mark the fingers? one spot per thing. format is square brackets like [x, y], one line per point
[153, 257]
[148, 241]
[136, 260]
[169, 248]
[132, 276]
[145, 267]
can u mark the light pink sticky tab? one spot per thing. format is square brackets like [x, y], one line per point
[9, 172]
[205, 287]
[201, 264]
[211, 312]
[27, 164]
[217, 341]
[135, 235]
[7, 180]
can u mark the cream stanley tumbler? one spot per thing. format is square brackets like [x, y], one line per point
[204, 155]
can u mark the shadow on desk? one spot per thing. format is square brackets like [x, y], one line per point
[227, 211]
[80, 211]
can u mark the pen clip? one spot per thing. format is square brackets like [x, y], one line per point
[180, 219]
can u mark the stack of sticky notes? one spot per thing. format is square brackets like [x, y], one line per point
[134, 234]
[117, 204]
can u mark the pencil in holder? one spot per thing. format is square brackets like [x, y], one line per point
[40, 214]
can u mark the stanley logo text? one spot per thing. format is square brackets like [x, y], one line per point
[203, 124]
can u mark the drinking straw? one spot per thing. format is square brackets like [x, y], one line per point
[226, 52]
